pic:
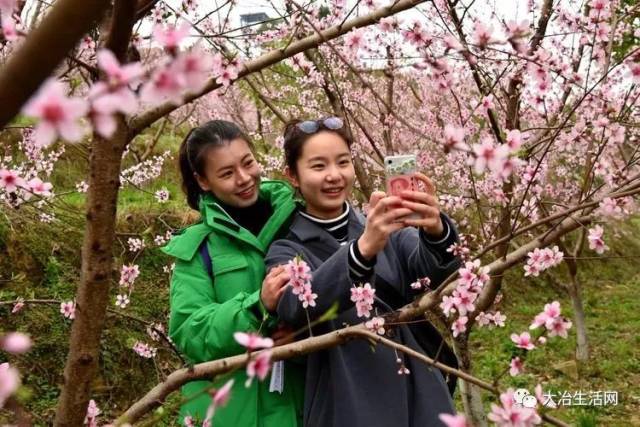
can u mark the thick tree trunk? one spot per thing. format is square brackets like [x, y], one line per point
[469, 393]
[574, 289]
[92, 296]
[93, 293]
[363, 177]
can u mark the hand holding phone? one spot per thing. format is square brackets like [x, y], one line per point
[384, 218]
[425, 204]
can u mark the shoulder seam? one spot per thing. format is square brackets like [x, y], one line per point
[185, 245]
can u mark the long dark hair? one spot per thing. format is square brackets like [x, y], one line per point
[193, 149]
[294, 140]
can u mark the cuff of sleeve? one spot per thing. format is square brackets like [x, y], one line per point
[361, 259]
[254, 304]
[359, 267]
[446, 233]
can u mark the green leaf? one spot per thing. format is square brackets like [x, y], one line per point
[330, 314]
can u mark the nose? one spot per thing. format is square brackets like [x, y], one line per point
[333, 174]
[242, 177]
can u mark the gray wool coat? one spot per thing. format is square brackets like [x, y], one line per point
[355, 384]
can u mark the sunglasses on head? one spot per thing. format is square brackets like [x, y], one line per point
[312, 126]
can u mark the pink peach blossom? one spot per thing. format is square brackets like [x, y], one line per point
[9, 382]
[595, 239]
[117, 75]
[195, 67]
[223, 394]
[258, 367]
[354, 40]
[559, 327]
[7, 7]
[164, 85]
[57, 114]
[508, 414]
[170, 36]
[252, 341]
[454, 420]
[15, 342]
[10, 181]
[454, 138]
[40, 188]
[459, 326]
[523, 341]
[482, 35]
[376, 324]
[515, 367]
[68, 309]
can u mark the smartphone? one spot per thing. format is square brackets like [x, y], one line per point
[399, 173]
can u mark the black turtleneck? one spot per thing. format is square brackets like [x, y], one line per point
[253, 217]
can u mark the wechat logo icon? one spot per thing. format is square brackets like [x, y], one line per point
[524, 398]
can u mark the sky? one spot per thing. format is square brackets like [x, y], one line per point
[507, 8]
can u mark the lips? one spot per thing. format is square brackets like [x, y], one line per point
[248, 193]
[334, 191]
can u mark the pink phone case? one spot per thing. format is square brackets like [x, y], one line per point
[399, 183]
[399, 175]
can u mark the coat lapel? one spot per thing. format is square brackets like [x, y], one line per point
[315, 238]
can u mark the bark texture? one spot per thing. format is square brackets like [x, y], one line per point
[92, 297]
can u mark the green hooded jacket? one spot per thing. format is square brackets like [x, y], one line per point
[204, 316]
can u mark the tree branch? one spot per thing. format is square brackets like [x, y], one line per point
[44, 48]
[140, 122]
[175, 380]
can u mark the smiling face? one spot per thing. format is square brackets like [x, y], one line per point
[232, 174]
[324, 174]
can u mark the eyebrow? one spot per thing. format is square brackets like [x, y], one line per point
[316, 158]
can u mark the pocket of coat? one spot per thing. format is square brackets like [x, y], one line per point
[226, 264]
[231, 276]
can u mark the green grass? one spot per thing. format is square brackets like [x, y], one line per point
[613, 320]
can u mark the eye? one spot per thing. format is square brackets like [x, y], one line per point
[345, 162]
[317, 166]
[248, 163]
[226, 175]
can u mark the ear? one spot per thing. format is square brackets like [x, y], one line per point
[203, 183]
[291, 176]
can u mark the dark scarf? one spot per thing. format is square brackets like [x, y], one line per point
[253, 217]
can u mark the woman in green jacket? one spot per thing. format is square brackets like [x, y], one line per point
[219, 286]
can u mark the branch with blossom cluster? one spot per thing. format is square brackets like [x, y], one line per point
[158, 394]
[472, 276]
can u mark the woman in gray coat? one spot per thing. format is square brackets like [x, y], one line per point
[357, 385]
